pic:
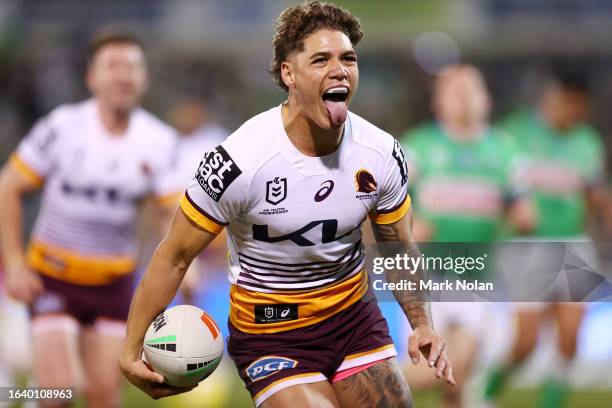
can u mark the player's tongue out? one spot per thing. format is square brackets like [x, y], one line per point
[335, 102]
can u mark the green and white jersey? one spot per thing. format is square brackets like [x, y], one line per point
[460, 187]
[560, 168]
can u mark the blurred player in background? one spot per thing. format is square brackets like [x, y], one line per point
[97, 160]
[461, 180]
[565, 177]
[293, 186]
[198, 132]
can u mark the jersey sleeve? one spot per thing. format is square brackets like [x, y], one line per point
[36, 154]
[593, 159]
[393, 200]
[218, 192]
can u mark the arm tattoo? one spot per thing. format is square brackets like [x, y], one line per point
[380, 386]
[415, 303]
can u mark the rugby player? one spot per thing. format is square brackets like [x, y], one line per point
[565, 176]
[461, 180]
[97, 161]
[293, 186]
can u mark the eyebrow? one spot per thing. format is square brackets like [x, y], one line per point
[327, 54]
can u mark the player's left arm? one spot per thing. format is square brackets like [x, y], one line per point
[396, 238]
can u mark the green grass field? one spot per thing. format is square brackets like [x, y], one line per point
[522, 398]
[233, 394]
[239, 399]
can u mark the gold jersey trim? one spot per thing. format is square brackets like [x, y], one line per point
[195, 215]
[313, 306]
[73, 267]
[394, 215]
[26, 170]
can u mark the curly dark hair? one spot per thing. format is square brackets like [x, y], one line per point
[296, 23]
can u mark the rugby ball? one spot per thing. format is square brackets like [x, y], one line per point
[184, 344]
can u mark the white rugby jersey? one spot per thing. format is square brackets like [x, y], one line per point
[294, 222]
[93, 183]
[190, 148]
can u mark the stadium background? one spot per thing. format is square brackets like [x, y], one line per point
[219, 52]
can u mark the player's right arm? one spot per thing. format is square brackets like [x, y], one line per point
[21, 283]
[184, 241]
[214, 198]
[33, 161]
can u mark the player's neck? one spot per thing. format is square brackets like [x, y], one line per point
[115, 122]
[305, 135]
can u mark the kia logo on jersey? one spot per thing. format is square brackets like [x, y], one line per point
[325, 191]
[216, 172]
[329, 229]
[276, 190]
[267, 366]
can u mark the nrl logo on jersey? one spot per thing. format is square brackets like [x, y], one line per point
[276, 190]
[216, 172]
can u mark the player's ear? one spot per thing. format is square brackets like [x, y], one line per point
[288, 74]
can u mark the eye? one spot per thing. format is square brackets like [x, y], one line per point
[350, 58]
[319, 60]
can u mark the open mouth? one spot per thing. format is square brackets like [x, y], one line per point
[335, 100]
[338, 94]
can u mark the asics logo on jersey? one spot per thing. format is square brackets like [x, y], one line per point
[329, 228]
[325, 191]
[216, 172]
[399, 157]
[276, 190]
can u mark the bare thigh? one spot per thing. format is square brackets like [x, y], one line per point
[528, 322]
[568, 317]
[315, 395]
[382, 385]
[100, 351]
[55, 346]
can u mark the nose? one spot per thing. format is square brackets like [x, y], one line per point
[337, 70]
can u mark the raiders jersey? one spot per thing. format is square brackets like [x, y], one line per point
[93, 183]
[293, 221]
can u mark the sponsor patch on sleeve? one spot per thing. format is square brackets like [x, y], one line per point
[216, 172]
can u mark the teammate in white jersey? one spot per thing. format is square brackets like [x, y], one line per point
[97, 161]
[198, 133]
[293, 186]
